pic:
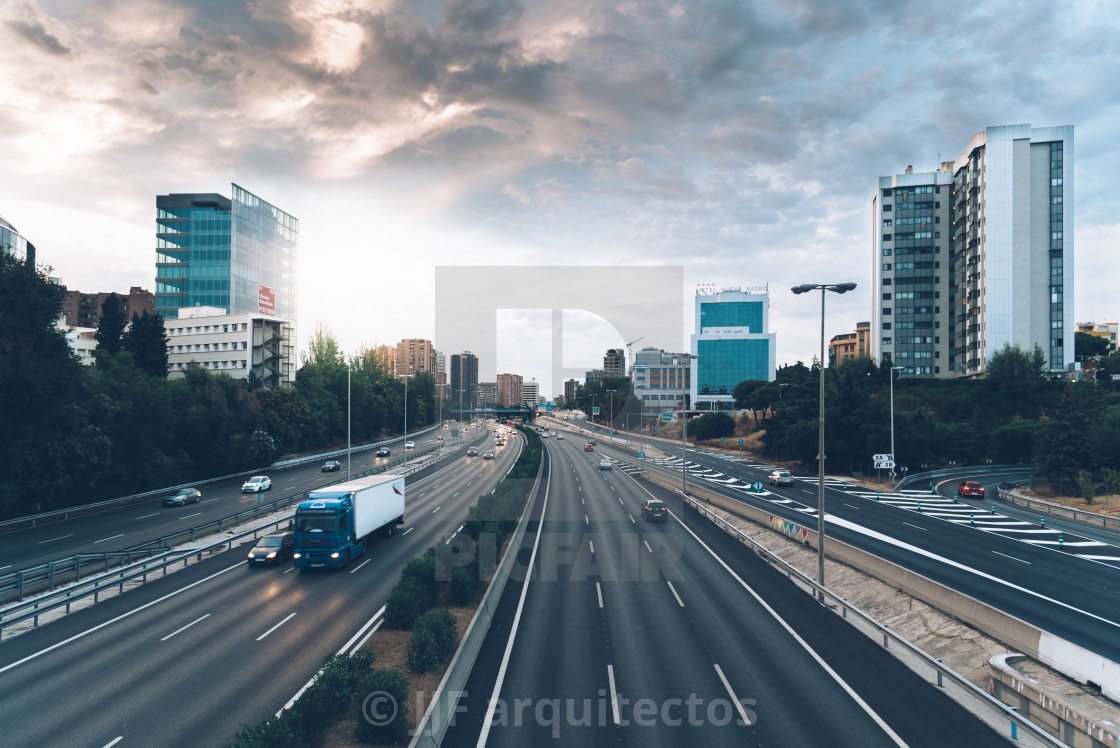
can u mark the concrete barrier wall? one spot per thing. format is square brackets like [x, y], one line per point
[1065, 657]
[1067, 724]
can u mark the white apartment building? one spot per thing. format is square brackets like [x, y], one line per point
[977, 255]
[232, 343]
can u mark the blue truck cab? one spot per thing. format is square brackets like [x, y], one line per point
[330, 527]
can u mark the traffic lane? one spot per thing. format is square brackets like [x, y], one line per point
[919, 713]
[139, 523]
[326, 618]
[650, 608]
[546, 674]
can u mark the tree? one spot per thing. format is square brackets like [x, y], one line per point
[262, 448]
[1085, 345]
[1013, 371]
[146, 340]
[1069, 441]
[713, 426]
[110, 325]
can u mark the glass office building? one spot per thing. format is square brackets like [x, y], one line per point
[13, 243]
[238, 254]
[731, 344]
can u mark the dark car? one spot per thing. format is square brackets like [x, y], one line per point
[383, 452]
[654, 509]
[186, 496]
[970, 488]
[271, 549]
[472, 452]
[331, 465]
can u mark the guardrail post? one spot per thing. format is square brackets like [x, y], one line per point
[1061, 539]
[1014, 724]
[940, 677]
[972, 519]
[106, 562]
[20, 586]
[845, 607]
[1042, 522]
[50, 584]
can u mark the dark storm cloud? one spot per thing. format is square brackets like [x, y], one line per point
[34, 32]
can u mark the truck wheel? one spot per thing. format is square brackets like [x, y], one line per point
[389, 530]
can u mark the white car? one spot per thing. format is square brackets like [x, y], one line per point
[604, 464]
[559, 436]
[256, 484]
[410, 445]
[781, 478]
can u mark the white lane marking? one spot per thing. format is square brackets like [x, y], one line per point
[631, 516]
[5, 566]
[188, 516]
[290, 568]
[586, 520]
[360, 565]
[620, 501]
[435, 510]
[290, 615]
[958, 565]
[1011, 557]
[454, 534]
[674, 591]
[734, 698]
[796, 637]
[614, 695]
[853, 506]
[592, 544]
[646, 544]
[406, 532]
[493, 705]
[422, 495]
[112, 538]
[454, 494]
[184, 628]
[146, 516]
[54, 539]
[468, 484]
[915, 526]
[599, 592]
[582, 501]
[114, 741]
[75, 637]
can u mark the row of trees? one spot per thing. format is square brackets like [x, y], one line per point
[77, 434]
[1015, 414]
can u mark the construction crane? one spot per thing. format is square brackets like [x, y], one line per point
[630, 350]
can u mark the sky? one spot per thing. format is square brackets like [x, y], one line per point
[739, 141]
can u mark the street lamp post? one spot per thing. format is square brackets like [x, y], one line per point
[406, 378]
[610, 414]
[340, 356]
[892, 371]
[684, 433]
[837, 288]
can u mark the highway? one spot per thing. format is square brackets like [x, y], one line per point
[1071, 596]
[135, 524]
[641, 633]
[190, 658]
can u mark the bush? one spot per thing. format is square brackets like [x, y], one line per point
[422, 571]
[433, 638]
[333, 691]
[712, 426]
[464, 581]
[382, 713]
[407, 602]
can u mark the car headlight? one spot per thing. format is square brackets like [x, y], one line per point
[271, 555]
[251, 556]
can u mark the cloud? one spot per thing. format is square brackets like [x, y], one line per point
[37, 35]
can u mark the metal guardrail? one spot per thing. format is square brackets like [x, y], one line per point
[979, 702]
[95, 586]
[57, 515]
[1091, 519]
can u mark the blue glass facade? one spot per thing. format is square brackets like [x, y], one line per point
[725, 363]
[213, 251]
[11, 242]
[746, 314]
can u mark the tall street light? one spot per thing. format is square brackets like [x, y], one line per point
[610, 414]
[892, 371]
[684, 431]
[406, 378]
[341, 357]
[837, 288]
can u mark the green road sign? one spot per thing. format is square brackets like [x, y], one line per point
[757, 486]
[595, 411]
[668, 417]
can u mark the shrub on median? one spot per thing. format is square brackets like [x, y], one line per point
[433, 638]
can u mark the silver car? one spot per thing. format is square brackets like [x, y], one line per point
[781, 478]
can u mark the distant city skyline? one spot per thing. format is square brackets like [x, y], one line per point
[739, 142]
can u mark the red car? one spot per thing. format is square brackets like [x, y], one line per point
[588, 448]
[970, 488]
